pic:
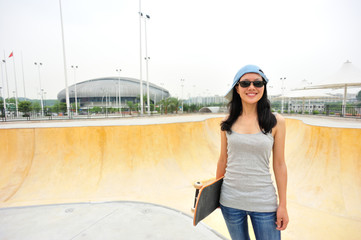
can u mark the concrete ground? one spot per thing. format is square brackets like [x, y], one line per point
[81, 178]
[111, 220]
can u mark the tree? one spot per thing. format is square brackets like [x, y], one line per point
[174, 104]
[25, 107]
[2, 108]
[170, 104]
[131, 106]
[36, 107]
[63, 107]
[96, 109]
[192, 107]
[358, 96]
[165, 103]
[55, 108]
[73, 107]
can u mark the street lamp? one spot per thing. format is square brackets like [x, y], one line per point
[182, 84]
[162, 84]
[64, 58]
[41, 90]
[46, 109]
[307, 83]
[148, 100]
[140, 59]
[147, 17]
[283, 91]
[1, 96]
[76, 96]
[120, 99]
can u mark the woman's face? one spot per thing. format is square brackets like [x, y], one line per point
[251, 94]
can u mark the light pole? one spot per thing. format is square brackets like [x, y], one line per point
[148, 100]
[45, 103]
[16, 86]
[307, 83]
[1, 96]
[41, 90]
[140, 58]
[195, 95]
[22, 68]
[64, 58]
[120, 98]
[283, 91]
[182, 85]
[147, 17]
[207, 97]
[76, 95]
[162, 84]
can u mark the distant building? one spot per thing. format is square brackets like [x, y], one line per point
[210, 100]
[104, 92]
[309, 107]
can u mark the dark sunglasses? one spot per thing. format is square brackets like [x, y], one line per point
[257, 84]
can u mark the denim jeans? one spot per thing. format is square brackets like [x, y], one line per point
[264, 224]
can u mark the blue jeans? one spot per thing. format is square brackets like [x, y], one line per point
[264, 224]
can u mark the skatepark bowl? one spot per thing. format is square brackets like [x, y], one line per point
[133, 178]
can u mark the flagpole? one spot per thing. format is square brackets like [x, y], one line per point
[3, 95]
[16, 85]
[6, 76]
[64, 58]
[140, 59]
[22, 68]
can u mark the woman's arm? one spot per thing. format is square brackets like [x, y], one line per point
[222, 162]
[280, 171]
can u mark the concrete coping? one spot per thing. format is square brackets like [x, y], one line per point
[322, 121]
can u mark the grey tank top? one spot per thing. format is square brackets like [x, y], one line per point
[247, 183]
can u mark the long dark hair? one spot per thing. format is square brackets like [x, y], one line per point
[266, 119]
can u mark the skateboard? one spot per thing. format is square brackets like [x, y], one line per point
[206, 199]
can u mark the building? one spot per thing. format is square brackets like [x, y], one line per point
[104, 92]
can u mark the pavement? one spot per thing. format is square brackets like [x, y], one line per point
[110, 220]
[54, 174]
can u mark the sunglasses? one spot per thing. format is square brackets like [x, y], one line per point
[245, 84]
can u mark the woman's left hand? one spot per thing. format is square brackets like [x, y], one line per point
[282, 218]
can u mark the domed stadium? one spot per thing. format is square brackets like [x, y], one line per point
[104, 92]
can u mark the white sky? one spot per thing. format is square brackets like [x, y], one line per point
[204, 42]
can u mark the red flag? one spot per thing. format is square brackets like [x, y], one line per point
[11, 54]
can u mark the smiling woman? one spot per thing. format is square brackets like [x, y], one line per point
[250, 88]
[249, 134]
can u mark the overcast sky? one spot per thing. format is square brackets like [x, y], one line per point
[204, 42]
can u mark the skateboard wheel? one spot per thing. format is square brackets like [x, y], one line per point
[198, 185]
[193, 209]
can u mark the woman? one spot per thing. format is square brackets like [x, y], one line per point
[249, 133]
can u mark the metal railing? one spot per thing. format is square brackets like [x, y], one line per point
[339, 110]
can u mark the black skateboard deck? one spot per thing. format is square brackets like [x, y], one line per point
[207, 200]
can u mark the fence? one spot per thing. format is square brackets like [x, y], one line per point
[343, 111]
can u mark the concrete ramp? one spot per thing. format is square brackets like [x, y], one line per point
[158, 163]
[324, 189]
[153, 163]
[325, 168]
